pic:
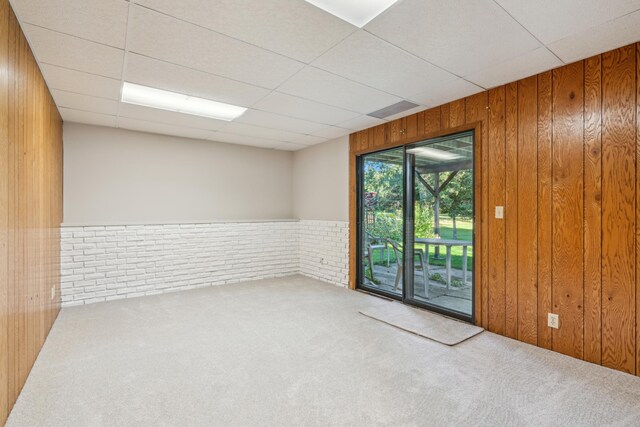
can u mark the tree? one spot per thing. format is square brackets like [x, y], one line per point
[384, 179]
[457, 198]
[423, 220]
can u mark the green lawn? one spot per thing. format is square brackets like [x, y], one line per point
[465, 232]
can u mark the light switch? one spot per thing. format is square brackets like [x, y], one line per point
[499, 212]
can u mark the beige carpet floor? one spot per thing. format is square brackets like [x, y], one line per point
[296, 352]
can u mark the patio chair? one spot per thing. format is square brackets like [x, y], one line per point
[417, 253]
[372, 243]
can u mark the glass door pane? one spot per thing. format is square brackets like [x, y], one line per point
[441, 230]
[381, 222]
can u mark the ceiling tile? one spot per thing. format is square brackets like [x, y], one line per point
[447, 92]
[610, 35]
[369, 60]
[162, 37]
[288, 146]
[85, 103]
[460, 36]
[309, 140]
[77, 116]
[299, 108]
[55, 48]
[243, 140]
[526, 65]
[331, 132]
[79, 82]
[260, 132]
[322, 86]
[163, 75]
[361, 122]
[102, 21]
[291, 27]
[169, 117]
[552, 20]
[277, 121]
[162, 128]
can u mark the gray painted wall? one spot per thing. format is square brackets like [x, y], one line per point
[321, 181]
[115, 176]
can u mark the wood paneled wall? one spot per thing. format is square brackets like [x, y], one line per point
[560, 152]
[30, 209]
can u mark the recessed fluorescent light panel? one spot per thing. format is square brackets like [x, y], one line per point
[356, 12]
[179, 103]
[433, 153]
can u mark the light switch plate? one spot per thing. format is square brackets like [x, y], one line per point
[553, 321]
[53, 292]
[499, 212]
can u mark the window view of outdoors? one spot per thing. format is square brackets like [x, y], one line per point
[443, 222]
[383, 220]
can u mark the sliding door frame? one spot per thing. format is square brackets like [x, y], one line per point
[409, 234]
[355, 178]
[359, 225]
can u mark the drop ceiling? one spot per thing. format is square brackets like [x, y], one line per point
[305, 75]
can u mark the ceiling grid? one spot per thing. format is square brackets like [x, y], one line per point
[305, 75]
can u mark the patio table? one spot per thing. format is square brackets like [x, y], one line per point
[449, 244]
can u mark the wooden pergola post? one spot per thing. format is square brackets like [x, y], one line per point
[435, 191]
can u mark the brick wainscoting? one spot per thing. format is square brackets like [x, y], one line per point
[102, 263]
[324, 250]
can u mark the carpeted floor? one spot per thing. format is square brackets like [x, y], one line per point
[293, 352]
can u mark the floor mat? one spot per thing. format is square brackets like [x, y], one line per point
[421, 322]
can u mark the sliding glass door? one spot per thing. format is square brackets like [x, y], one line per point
[440, 231]
[381, 221]
[416, 224]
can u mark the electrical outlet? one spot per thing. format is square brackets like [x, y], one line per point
[499, 212]
[553, 321]
[53, 292]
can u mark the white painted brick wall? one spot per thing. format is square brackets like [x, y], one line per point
[103, 263]
[324, 250]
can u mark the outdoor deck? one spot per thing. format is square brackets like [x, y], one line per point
[455, 298]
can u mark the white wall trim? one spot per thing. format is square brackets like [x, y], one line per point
[120, 223]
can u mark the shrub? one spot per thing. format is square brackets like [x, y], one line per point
[389, 224]
[457, 283]
[437, 277]
[423, 220]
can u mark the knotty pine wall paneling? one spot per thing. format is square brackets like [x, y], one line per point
[592, 209]
[560, 152]
[30, 209]
[567, 208]
[4, 210]
[527, 212]
[637, 209]
[619, 208]
[496, 236]
[545, 203]
[511, 210]
[476, 109]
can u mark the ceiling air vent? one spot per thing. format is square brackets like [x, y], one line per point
[393, 109]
